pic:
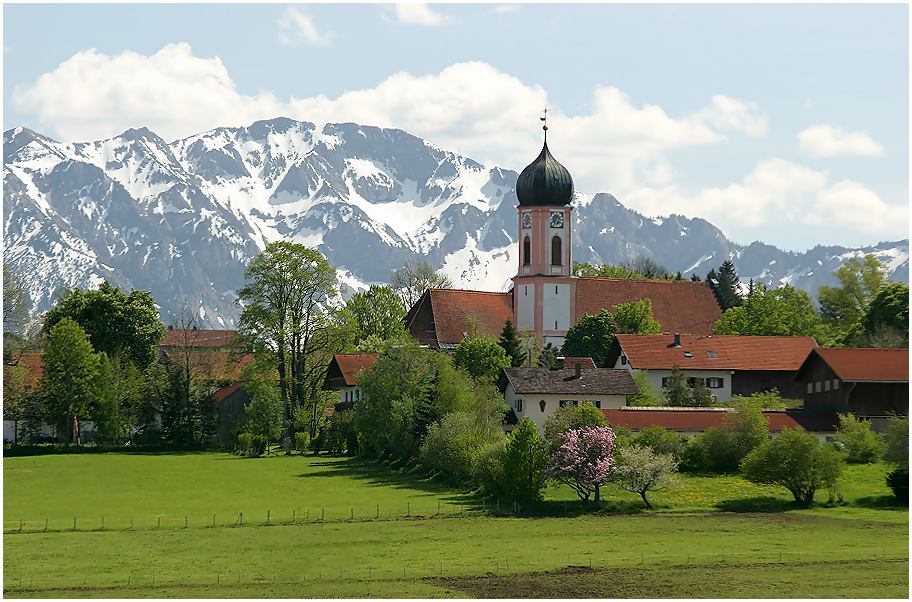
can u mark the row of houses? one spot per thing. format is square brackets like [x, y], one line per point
[870, 383]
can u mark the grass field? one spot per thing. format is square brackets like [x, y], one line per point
[721, 526]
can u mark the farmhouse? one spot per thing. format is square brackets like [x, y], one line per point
[870, 383]
[342, 376]
[727, 365]
[546, 298]
[539, 392]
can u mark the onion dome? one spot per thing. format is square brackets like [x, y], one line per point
[544, 182]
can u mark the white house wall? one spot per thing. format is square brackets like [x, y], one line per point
[654, 378]
[532, 404]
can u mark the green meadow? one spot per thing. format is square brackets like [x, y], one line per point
[342, 527]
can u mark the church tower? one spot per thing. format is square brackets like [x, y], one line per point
[544, 289]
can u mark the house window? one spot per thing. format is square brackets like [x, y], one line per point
[555, 289]
[519, 405]
[556, 250]
[810, 387]
[693, 380]
[596, 402]
[818, 386]
[542, 405]
[568, 402]
[826, 385]
[711, 354]
[835, 384]
[623, 360]
[665, 381]
[527, 251]
[688, 354]
[715, 382]
[526, 291]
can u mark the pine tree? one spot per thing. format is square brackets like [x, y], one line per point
[512, 345]
[701, 396]
[548, 357]
[728, 286]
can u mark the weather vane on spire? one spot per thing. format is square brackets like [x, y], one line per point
[544, 119]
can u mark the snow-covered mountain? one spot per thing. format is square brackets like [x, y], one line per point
[182, 219]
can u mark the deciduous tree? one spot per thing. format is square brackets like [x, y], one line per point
[70, 369]
[415, 277]
[584, 460]
[377, 312]
[482, 358]
[641, 470]
[525, 463]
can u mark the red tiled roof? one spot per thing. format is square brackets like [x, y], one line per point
[570, 362]
[351, 365]
[688, 419]
[731, 352]
[192, 337]
[680, 306]
[850, 364]
[226, 391]
[213, 365]
[454, 312]
[31, 362]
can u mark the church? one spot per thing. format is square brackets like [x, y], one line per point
[546, 298]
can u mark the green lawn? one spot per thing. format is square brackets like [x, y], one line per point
[422, 555]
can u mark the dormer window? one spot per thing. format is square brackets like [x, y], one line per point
[711, 354]
[688, 354]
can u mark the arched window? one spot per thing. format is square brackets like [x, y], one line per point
[527, 251]
[556, 258]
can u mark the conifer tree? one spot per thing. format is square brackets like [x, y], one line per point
[728, 285]
[511, 344]
[676, 391]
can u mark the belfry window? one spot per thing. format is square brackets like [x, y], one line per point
[556, 258]
[527, 251]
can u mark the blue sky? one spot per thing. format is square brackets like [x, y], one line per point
[787, 124]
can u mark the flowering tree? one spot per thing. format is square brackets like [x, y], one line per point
[640, 470]
[584, 460]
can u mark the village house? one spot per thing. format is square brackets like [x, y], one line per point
[727, 365]
[343, 374]
[539, 392]
[870, 383]
[546, 299]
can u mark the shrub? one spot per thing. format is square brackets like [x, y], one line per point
[647, 395]
[245, 441]
[450, 447]
[258, 445]
[571, 417]
[525, 463]
[896, 438]
[862, 444]
[898, 482]
[640, 470]
[746, 427]
[584, 460]
[713, 451]
[301, 441]
[797, 461]
[482, 358]
[661, 441]
[489, 468]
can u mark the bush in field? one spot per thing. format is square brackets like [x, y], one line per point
[258, 445]
[797, 461]
[525, 463]
[584, 460]
[861, 443]
[661, 441]
[641, 470]
[245, 442]
[489, 468]
[301, 441]
[712, 451]
[450, 447]
[571, 417]
[339, 435]
[898, 482]
[896, 438]
[746, 427]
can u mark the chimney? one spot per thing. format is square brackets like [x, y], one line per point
[579, 369]
[677, 340]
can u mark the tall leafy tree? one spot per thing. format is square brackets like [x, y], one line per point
[635, 318]
[415, 277]
[592, 336]
[783, 311]
[16, 304]
[117, 324]
[70, 371]
[886, 321]
[286, 316]
[377, 312]
[525, 463]
[860, 280]
[482, 358]
[512, 345]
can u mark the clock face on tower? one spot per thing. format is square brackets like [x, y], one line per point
[557, 219]
[526, 220]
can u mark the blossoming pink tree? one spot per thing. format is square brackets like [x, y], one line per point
[584, 460]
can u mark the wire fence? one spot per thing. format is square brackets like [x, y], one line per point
[92, 580]
[418, 510]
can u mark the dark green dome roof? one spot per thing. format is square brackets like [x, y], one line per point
[544, 182]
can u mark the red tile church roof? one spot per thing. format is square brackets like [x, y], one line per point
[680, 306]
[443, 317]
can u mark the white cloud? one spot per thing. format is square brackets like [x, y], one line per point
[506, 8]
[416, 13]
[472, 108]
[295, 28]
[828, 141]
[736, 115]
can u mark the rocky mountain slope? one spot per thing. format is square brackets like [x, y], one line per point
[182, 219]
